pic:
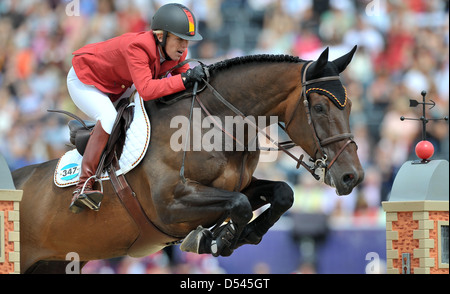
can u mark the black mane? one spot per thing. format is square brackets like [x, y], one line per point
[225, 64]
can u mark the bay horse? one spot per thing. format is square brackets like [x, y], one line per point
[218, 188]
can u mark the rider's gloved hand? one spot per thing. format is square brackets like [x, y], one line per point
[193, 75]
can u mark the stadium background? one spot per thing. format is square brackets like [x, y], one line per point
[403, 48]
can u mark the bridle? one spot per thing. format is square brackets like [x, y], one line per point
[321, 165]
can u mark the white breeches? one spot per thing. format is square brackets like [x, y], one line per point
[93, 102]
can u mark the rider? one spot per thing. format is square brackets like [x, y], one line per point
[102, 72]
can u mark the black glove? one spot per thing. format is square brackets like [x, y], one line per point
[193, 75]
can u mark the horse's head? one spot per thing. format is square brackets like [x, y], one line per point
[325, 108]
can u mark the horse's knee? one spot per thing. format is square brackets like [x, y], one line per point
[283, 197]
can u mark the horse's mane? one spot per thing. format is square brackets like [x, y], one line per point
[228, 63]
[225, 64]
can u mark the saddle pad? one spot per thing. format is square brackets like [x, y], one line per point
[67, 172]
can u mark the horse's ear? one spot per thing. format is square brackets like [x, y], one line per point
[343, 61]
[317, 66]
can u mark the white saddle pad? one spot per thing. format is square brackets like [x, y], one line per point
[67, 172]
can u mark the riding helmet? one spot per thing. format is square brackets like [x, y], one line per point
[178, 20]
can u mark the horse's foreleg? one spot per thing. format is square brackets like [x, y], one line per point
[260, 192]
[194, 202]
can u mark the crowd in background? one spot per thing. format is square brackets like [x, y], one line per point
[403, 48]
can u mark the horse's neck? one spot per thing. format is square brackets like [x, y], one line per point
[257, 90]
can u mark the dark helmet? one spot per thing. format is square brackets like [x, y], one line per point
[178, 20]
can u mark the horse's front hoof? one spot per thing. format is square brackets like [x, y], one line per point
[196, 241]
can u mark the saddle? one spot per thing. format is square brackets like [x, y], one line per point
[80, 131]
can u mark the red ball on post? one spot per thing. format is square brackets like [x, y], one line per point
[424, 149]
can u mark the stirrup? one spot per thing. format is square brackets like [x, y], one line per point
[91, 202]
[76, 206]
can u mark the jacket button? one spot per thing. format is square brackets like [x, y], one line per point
[123, 86]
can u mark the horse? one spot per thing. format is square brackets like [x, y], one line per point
[211, 205]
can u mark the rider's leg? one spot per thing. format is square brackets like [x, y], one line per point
[98, 106]
[84, 192]
[93, 102]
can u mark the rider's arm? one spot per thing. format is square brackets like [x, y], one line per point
[141, 68]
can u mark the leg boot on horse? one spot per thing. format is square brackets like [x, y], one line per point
[191, 200]
[260, 192]
[224, 239]
[220, 241]
[84, 195]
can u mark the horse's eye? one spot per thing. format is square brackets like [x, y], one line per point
[318, 108]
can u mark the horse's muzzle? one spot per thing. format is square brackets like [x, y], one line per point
[345, 183]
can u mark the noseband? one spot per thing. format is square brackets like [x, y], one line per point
[321, 165]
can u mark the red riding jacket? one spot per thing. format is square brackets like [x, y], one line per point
[114, 65]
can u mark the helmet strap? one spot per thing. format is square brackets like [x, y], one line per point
[163, 45]
[164, 40]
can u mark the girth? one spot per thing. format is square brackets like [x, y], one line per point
[150, 239]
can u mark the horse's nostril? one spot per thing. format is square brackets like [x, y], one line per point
[348, 178]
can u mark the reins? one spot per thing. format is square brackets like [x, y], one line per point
[238, 112]
[320, 166]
